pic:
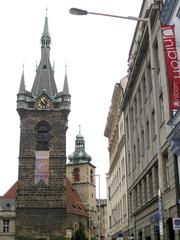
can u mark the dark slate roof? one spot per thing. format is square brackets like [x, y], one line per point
[44, 79]
[79, 155]
[66, 87]
[22, 84]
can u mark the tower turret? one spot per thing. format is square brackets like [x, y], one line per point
[79, 155]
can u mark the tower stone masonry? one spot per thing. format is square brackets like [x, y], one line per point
[41, 192]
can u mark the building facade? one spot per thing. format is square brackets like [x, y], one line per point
[117, 209]
[7, 214]
[151, 175]
[102, 218]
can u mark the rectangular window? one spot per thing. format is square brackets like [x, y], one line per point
[5, 226]
[138, 150]
[135, 109]
[129, 162]
[149, 80]
[142, 143]
[127, 127]
[153, 125]
[144, 89]
[156, 57]
[134, 156]
[150, 185]
[166, 170]
[124, 205]
[140, 101]
[109, 193]
[161, 102]
[140, 194]
[110, 222]
[145, 189]
[148, 135]
[156, 178]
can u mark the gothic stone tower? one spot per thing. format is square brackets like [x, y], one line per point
[40, 197]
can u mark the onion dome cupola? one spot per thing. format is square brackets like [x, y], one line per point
[79, 155]
[44, 94]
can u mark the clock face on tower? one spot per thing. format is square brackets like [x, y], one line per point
[43, 102]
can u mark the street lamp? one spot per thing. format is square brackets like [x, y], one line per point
[77, 11]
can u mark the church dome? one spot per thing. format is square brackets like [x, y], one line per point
[79, 155]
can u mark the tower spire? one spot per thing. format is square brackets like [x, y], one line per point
[44, 79]
[66, 86]
[46, 39]
[22, 83]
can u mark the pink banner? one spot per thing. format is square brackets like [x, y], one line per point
[173, 69]
[42, 166]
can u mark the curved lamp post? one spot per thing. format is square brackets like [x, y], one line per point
[77, 11]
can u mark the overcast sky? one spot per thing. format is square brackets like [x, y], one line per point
[96, 51]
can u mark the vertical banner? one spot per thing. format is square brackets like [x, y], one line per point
[173, 69]
[42, 166]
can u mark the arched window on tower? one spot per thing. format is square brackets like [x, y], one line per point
[42, 137]
[76, 174]
[91, 175]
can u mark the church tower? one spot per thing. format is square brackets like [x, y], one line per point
[82, 175]
[41, 193]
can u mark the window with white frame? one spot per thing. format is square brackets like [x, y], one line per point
[6, 226]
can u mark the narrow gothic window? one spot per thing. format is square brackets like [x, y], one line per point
[76, 174]
[43, 138]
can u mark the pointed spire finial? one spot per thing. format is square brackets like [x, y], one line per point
[66, 87]
[46, 11]
[79, 129]
[66, 67]
[46, 39]
[22, 83]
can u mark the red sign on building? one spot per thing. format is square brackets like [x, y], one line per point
[173, 69]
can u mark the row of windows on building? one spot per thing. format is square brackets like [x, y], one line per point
[147, 187]
[144, 191]
[119, 212]
[140, 122]
[118, 181]
[119, 133]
